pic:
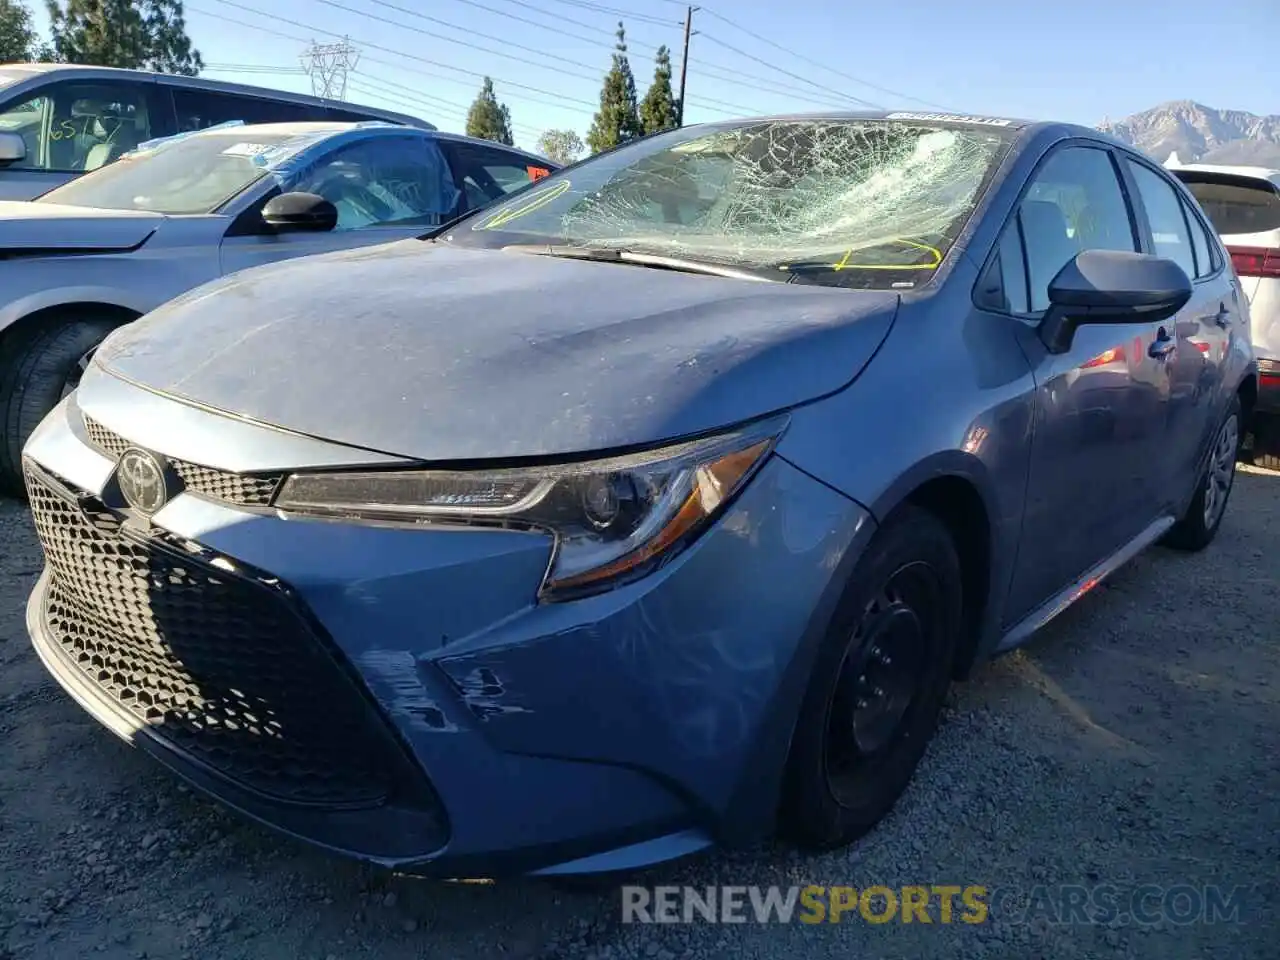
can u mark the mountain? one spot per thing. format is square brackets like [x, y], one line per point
[1199, 133]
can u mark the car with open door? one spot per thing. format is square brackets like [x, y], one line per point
[109, 246]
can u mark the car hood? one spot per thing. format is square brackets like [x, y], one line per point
[53, 226]
[441, 354]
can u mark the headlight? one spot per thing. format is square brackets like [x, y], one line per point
[613, 520]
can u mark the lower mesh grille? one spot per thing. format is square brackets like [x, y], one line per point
[221, 667]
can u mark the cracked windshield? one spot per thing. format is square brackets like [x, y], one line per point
[850, 203]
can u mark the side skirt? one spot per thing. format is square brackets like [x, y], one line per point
[1022, 631]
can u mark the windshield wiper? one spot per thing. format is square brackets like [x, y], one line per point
[615, 255]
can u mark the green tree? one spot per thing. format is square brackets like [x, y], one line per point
[487, 118]
[617, 120]
[142, 34]
[562, 146]
[658, 110]
[17, 35]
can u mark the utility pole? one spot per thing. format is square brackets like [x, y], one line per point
[328, 65]
[684, 57]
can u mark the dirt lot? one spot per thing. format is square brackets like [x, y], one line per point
[1137, 741]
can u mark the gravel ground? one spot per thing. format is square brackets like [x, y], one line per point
[1133, 742]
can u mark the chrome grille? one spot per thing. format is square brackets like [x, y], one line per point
[242, 489]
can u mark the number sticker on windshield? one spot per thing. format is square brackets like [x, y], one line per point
[246, 149]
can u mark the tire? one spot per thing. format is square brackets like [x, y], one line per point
[1197, 527]
[39, 366]
[895, 631]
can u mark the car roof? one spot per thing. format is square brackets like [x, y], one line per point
[1025, 128]
[327, 128]
[1257, 173]
[959, 119]
[203, 83]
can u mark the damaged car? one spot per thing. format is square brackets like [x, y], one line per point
[176, 212]
[651, 510]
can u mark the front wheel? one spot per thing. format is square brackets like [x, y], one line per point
[39, 369]
[877, 685]
[1197, 527]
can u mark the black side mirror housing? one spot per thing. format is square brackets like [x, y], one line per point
[1111, 286]
[300, 211]
[12, 149]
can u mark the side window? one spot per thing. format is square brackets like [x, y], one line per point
[1206, 262]
[1004, 285]
[1169, 233]
[26, 119]
[197, 109]
[488, 174]
[1074, 203]
[383, 182]
[90, 125]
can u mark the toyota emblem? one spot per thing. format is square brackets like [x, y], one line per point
[143, 481]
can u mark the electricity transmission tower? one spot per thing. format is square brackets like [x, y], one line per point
[328, 65]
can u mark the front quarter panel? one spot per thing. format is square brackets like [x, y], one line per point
[181, 254]
[950, 394]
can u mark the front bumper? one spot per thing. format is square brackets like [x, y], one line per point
[456, 727]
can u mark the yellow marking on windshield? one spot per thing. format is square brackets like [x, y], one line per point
[844, 264]
[504, 217]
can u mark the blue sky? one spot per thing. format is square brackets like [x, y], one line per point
[1081, 61]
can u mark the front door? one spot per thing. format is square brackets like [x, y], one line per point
[385, 188]
[1101, 407]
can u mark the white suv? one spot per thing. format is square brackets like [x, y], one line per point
[1243, 203]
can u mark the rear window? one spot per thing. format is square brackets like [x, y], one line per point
[1236, 204]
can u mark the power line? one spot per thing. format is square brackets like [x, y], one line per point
[816, 63]
[461, 43]
[376, 86]
[328, 65]
[252, 68]
[614, 11]
[773, 66]
[556, 28]
[559, 99]
[702, 101]
[714, 70]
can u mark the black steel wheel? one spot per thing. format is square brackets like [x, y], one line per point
[877, 686]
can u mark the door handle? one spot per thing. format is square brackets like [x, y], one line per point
[1162, 345]
[1223, 318]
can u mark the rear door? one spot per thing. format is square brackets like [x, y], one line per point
[1245, 211]
[1170, 229]
[386, 188]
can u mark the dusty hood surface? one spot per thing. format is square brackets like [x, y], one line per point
[52, 226]
[436, 353]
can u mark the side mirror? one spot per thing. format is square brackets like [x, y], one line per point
[300, 211]
[1111, 286]
[12, 149]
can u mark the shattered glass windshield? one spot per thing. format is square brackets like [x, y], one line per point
[864, 203]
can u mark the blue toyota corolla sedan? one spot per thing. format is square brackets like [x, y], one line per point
[650, 510]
